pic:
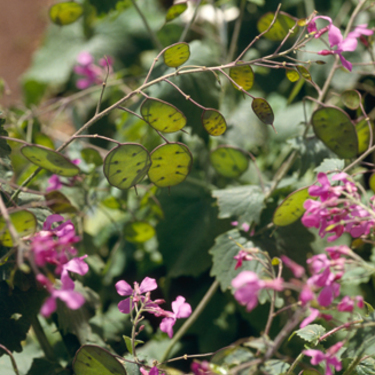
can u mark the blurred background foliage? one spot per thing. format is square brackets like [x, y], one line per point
[184, 241]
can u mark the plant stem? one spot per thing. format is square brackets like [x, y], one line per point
[193, 317]
[188, 25]
[42, 339]
[236, 31]
[14, 364]
[294, 364]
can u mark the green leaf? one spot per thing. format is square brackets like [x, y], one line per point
[366, 367]
[162, 116]
[43, 140]
[363, 133]
[263, 111]
[229, 161]
[292, 75]
[335, 129]
[50, 160]
[91, 156]
[93, 360]
[351, 99]
[311, 333]
[330, 165]
[291, 208]
[243, 202]
[363, 341]
[24, 223]
[275, 367]
[243, 75]
[65, 13]
[304, 72]
[214, 122]
[176, 54]
[175, 11]
[170, 164]
[225, 248]
[138, 232]
[128, 343]
[280, 28]
[126, 165]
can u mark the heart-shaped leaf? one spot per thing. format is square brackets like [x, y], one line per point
[126, 165]
[170, 164]
[50, 160]
[243, 75]
[24, 223]
[162, 116]
[335, 129]
[229, 161]
[176, 55]
[65, 13]
[214, 122]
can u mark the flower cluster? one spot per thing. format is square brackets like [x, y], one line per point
[336, 39]
[92, 74]
[338, 208]
[52, 248]
[141, 297]
[329, 357]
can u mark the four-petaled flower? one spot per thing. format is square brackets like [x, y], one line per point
[329, 357]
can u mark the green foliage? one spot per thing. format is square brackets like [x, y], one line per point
[176, 55]
[214, 122]
[229, 161]
[280, 28]
[276, 367]
[351, 99]
[65, 13]
[311, 333]
[243, 75]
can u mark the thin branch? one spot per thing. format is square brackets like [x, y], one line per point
[191, 21]
[130, 111]
[103, 87]
[96, 136]
[236, 31]
[14, 364]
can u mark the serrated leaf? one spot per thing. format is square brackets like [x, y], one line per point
[162, 116]
[126, 165]
[176, 55]
[50, 160]
[351, 99]
[366, 367]
[24, 223]
[243, 202]
[214, 122]
[292, 75]
[280, 28]
[170, 164]
[59, 203]
[304, 72]
[243, 75]
[311, 333]
[223, 251]
[93, 360]
[175, 11]
[263, 111]
[275, 367]
[65, 13]
[91, 156]
[229, 161]
[330, 165]
[335, 129]
[291, 208]
[138, 232]
[363, 133]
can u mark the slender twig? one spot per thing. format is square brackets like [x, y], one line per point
[191, 21]
[193, 317]
[236, 32]
[14, 364]
[103, 87]
[98, 137]
[295, 362]
[153, 36]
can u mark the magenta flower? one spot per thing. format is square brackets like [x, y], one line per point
[153, 371]
[329, 358]
[314, 313]
[181, 309]
[124, 289]
[242, 256]
[297, 270]
[248, 285]
[201, 368]
[54, 183]
[306, 295]
[347, 304]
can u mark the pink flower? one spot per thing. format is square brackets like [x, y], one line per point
[329, 357]
[297, 270]
[248, 285]
[181, 309]
[242, 256]
[201, 368]
[306, 295]
[347, 303]
[314, 313]
[153, 371]
[54, 183]
[124, 289]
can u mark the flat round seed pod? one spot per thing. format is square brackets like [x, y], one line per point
[24, 223]
[304, 72]
[292, 75]
[214, 122]
[175, 11]
[170, 164]
[59, 203]
[50, 160]
[138, 232]
[162, 116]
[351, 99]
[263, 111]
[93, 360]
[229, 161]
[363, 133]
[335, 129]
[243, 76]
[126, 165]
[65, 13]
[371, 182]
[280, 28]
[291, 208]
[176, 55]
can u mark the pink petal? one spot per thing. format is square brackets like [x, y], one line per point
[49, 306]
[123, 288]
[67, 282]
[316, 356]
[166, 326]
[85, 58]
[349, 44]
[73, 300]
[180, 308]
[83, 83]
[243, 278]
[345, 63]
[50, 220]
[124, 306]
[147, 285]
[334, 36]
[77, 265]
[314, 313]
[297, 270]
